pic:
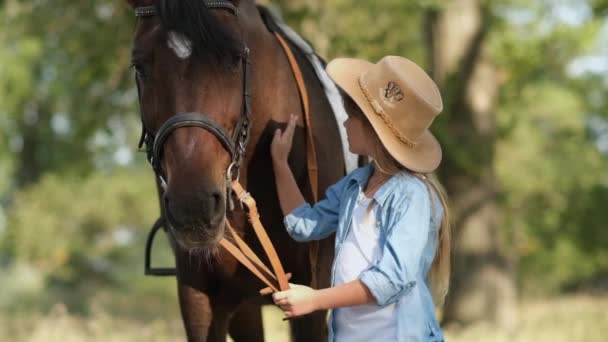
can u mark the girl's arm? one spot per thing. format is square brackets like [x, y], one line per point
[395, 274]
[289, 194]
[301, 300]
[303, 222]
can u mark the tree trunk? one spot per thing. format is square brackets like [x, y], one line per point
[482, 285]
[31, 157]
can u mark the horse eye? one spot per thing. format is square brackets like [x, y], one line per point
[140, 71]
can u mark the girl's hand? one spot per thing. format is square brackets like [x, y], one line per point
[281, 143]
[267, 290]
[297, 301]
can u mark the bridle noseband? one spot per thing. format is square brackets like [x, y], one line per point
[235, 145]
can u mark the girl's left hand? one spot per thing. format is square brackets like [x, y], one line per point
[281, 142]
[297, 301]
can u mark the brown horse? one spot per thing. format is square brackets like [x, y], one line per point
[204, 57]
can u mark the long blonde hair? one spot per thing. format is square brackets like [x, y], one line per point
[439, 276]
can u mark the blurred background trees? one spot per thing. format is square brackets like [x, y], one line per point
[524, 132]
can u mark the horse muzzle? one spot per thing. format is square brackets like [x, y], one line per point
[197, 219]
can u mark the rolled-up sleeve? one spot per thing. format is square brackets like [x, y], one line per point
[306, 222]
[394, 275]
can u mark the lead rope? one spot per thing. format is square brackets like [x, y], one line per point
[277, 281]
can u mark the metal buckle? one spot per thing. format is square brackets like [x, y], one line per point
[229, 175]
[145, 11]
[245, 195]
[242, 147]
[246, 53]
[163, 183]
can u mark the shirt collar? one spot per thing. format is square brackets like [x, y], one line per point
[362, 175]
[385, 190]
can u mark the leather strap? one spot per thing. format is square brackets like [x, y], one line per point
[189, 120]
[254, 218]
[311, 154]
[248, 252]
[277, 281]
[242, 258]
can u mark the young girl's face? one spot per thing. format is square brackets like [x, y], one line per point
[360, 135]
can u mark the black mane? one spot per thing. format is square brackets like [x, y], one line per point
[195, 21]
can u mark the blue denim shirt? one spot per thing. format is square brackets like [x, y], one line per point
[409, 222]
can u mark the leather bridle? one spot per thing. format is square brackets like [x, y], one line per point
[234, 145]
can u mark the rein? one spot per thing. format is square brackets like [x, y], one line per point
[236, 147]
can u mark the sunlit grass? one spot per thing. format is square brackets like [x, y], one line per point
[563, 319]
[572, 318]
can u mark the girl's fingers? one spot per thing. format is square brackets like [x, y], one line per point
[278, 136]
[267, 290]
[279, 295]
[291, 127]
[283, 302]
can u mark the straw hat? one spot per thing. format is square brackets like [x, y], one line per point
[400, 100]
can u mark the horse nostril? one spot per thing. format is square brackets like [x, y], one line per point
[194, 209]
[217, 200]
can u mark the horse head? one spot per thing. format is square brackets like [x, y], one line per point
[191, 59]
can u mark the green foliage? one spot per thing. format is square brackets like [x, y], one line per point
[552, 174]
[342, 28]
[75, 236]
[63, 76]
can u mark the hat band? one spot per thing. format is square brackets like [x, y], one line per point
[387, 120]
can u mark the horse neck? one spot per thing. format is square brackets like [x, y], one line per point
[275, 92]
[275, 95]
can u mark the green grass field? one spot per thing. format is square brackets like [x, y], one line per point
[571, 318]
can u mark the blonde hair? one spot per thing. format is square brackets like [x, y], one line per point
[439, 276]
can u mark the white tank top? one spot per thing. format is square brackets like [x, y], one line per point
[360, 250]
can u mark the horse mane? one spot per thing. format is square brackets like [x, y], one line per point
[195, 21]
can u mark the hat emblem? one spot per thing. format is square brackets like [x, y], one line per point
[393, 92]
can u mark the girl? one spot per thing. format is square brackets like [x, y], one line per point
[390, 217]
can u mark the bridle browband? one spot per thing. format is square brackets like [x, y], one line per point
[235, 145]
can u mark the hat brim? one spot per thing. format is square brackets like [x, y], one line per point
[424, 157]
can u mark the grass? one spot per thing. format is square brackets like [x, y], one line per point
[568, 318]
[572, 318]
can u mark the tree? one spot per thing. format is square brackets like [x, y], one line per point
[64, 84]
[483, 279]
